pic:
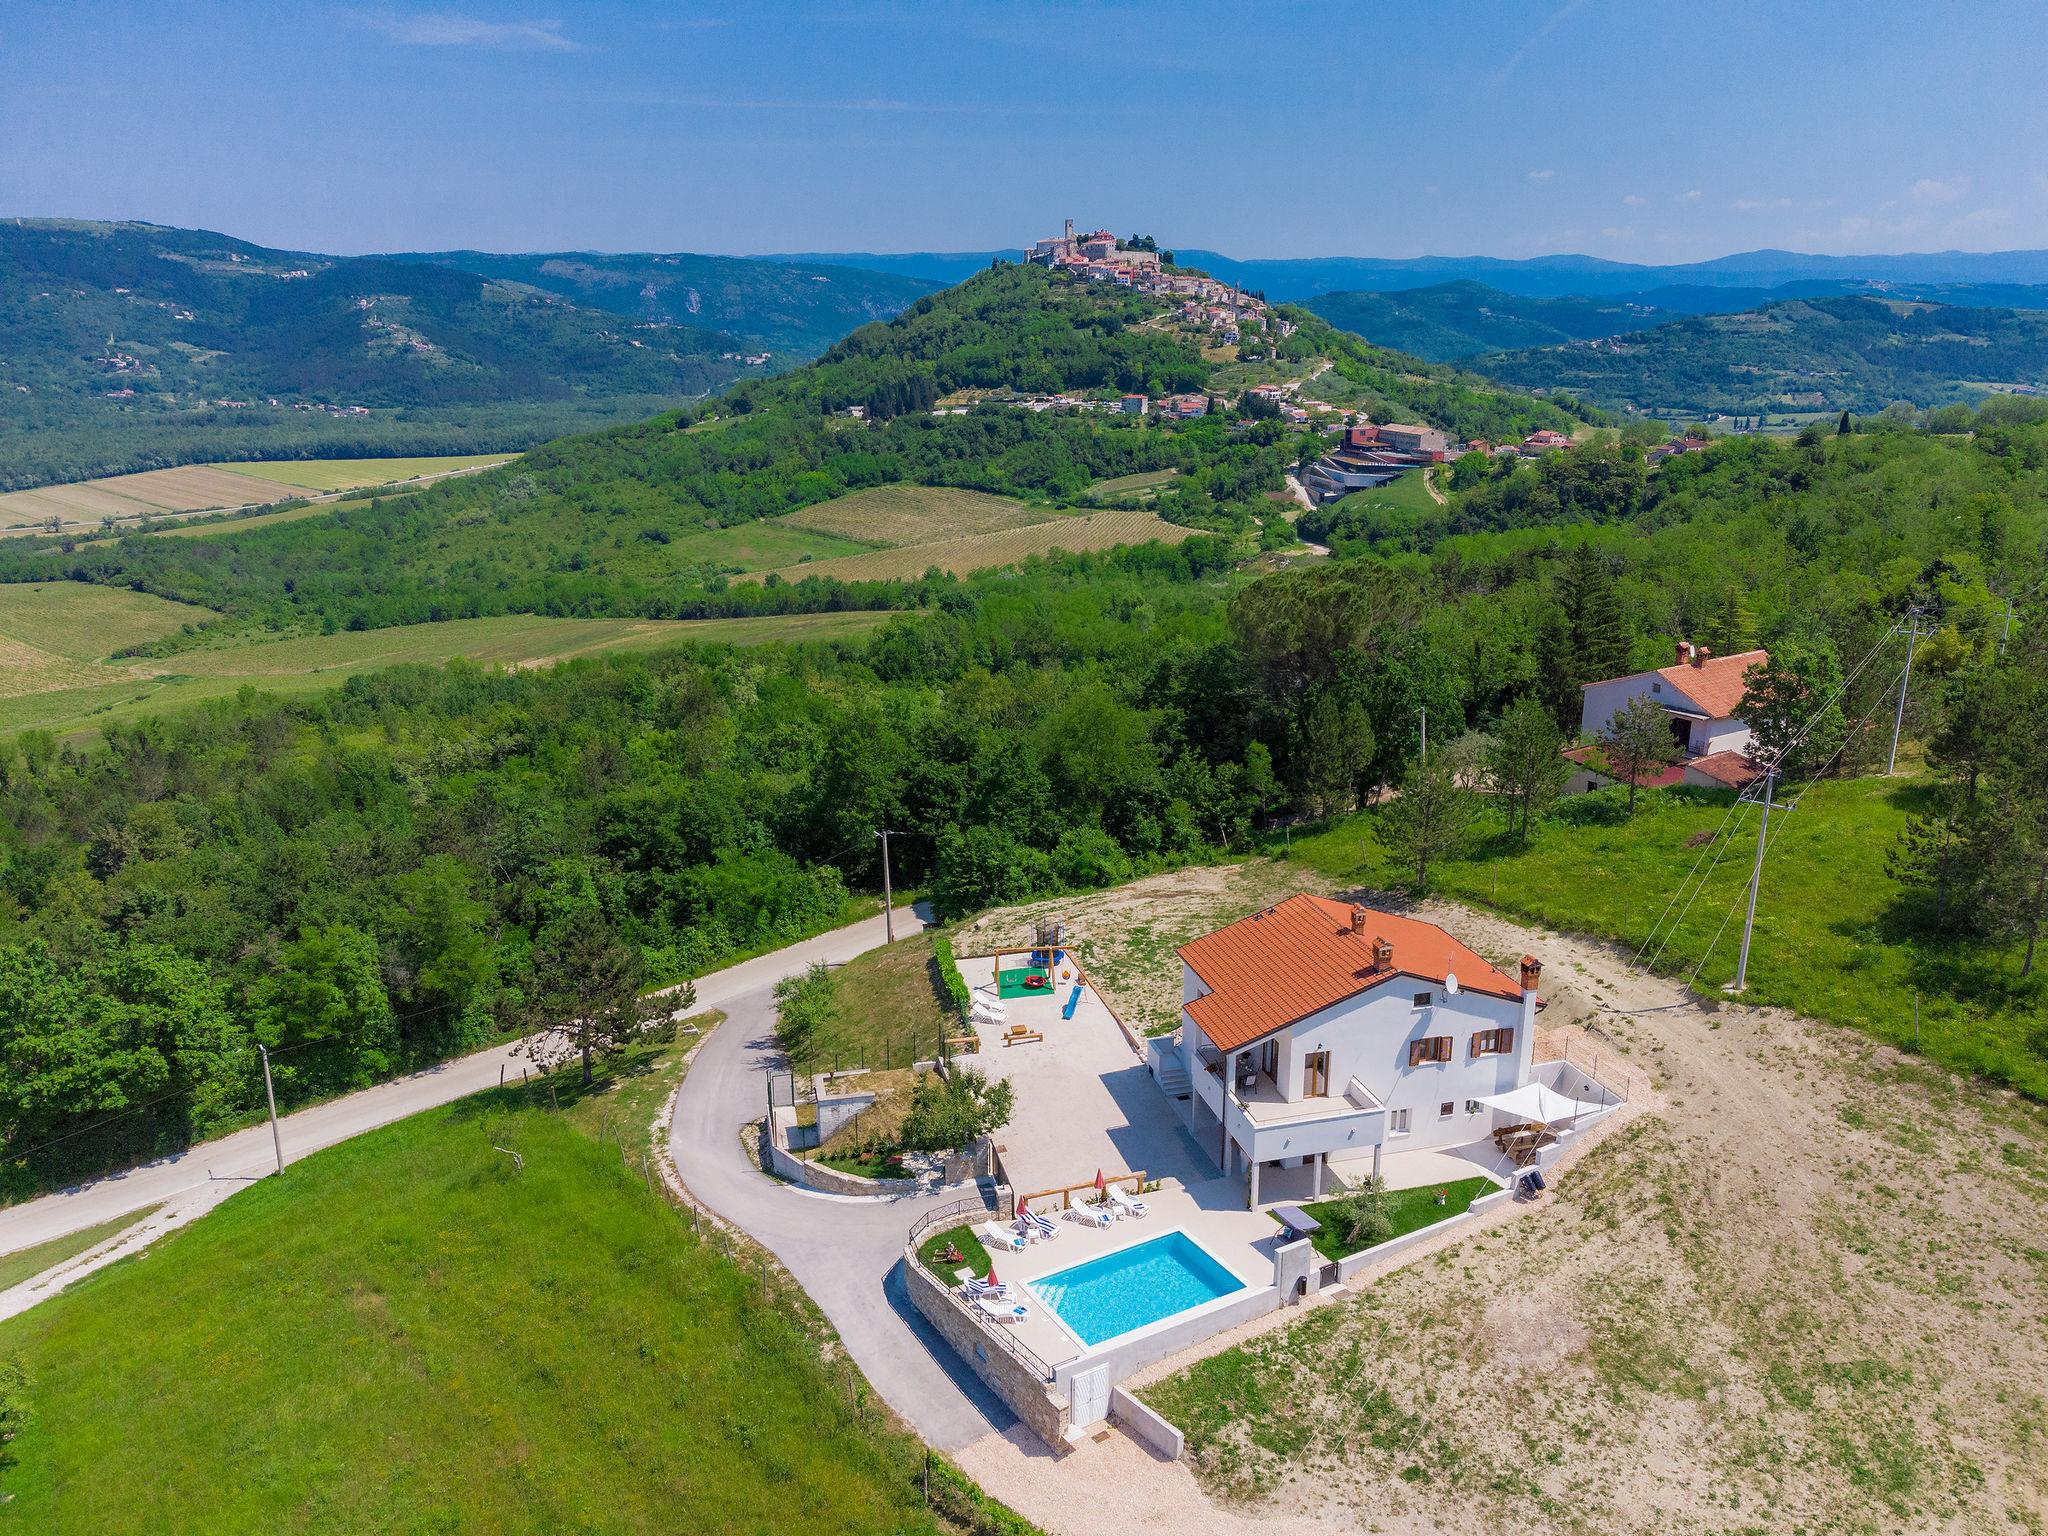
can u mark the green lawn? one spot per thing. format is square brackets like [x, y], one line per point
[27, 1263]
[1411, 1209]
[410, 1333]
[972, 1255]
[1831, 940]
[1404, 494]
[887, 1011]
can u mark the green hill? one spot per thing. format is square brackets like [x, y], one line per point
[1856, 354]
[131, 346]
[787, 308]
[604, 524]
[1448, 321]
[538, 1347]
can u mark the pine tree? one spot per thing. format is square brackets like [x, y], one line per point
[1734, 627]
[1592, 604]
[1638, 742]
[1557, 682]
[1428, 821]
[1527, 763]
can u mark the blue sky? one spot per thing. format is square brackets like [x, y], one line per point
[1639, 131]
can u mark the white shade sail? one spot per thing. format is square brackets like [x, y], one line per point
[1535, 1102]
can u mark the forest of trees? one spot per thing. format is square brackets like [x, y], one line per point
[426, 859]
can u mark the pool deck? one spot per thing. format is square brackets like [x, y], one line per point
[1211, 1213]
[1084, 1099]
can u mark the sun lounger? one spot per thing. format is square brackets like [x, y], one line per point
[974, 1288]
[1089, 1215]
[1130, 1205]
[993, 1236]
[1036, 1224]
[1003, 1311]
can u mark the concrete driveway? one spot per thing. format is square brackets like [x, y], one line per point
[845, 1252]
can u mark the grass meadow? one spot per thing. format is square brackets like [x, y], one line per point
[984, 551]
[1833, 939]
[82, 693]
[27, 1263]
[416, 1332]
[319, 475]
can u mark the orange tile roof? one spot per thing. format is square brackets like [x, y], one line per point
[1731, 768]
[1289, 961]
[1716, 683]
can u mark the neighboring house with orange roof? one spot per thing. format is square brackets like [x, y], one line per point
[1316, 1030]
[1701, 693]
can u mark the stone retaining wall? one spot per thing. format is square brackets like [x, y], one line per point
[1008, 1377]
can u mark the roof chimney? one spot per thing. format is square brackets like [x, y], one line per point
[1684, 656]
[1358, 918]
[1700, 653]
[1532, 972]
[1383, 954]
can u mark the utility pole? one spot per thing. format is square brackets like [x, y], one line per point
[2005, 634]
[888, 897]
[1899, 718]
[1756, 878]
[270, 1093]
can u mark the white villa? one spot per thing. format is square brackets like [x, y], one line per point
[1699, 694]
[1316, 1032]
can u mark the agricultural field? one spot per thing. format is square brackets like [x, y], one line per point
[45, 689]
[423, 1328]
[977, 552]
[914, 514]
[1144, 486]
[346, 474]
[213, 488]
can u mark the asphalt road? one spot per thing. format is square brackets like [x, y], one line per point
[194, 1181]
[845, 1252]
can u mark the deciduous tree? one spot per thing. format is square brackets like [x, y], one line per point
[1638, 742]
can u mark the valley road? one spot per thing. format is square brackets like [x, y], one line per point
[192, 1182]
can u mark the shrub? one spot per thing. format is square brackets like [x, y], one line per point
[951, 1111]
[951, 982]
[804, 1004]
[1363, 1216]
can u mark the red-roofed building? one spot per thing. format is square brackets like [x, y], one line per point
[1700, 694]
[1318, 1030]
[1700, 691]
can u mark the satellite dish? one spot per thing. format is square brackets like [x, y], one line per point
[1451, 984]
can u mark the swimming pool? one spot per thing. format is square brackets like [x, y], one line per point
[1134, 1287]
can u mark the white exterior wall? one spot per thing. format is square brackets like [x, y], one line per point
[1602, 701]
[1720, 736]
[1368, 1036]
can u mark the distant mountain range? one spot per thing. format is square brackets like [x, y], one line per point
[133, 346]
[1825, 354]
[1452, 322]
[1293, 279]
[786, 307]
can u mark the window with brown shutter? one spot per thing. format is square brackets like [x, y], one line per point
[1432, 1048]
[1493, 1042]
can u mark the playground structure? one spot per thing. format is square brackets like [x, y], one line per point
[1037, 969]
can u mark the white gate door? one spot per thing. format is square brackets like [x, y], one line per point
[1091, 1397]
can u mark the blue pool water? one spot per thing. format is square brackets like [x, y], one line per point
[1134, 1286]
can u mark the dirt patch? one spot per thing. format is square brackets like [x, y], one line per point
[1807, 1297]
[1127, 937]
